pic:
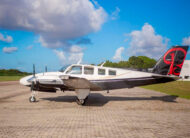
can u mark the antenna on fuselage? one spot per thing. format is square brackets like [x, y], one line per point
[102, 64]
[79, 62]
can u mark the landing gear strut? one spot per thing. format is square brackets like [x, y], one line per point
[82, 96]
[32, 98]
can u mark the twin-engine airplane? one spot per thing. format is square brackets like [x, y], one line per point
[85, 78]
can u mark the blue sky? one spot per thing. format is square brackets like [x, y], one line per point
[53, 35]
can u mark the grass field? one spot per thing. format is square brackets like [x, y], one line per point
[178, 88]
[10, 78]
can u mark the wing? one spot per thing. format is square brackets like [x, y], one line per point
[80, 83]
[108, 84]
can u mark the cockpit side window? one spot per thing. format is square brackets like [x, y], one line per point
[88, 70]
[101, 72]
[64, 68]
[75, 70]
[112, 72]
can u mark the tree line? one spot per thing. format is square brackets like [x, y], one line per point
[134, 62]
[12, 72]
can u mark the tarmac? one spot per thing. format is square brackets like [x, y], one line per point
[134, 113]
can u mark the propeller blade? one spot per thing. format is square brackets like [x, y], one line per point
[34, 70]
[32, 86]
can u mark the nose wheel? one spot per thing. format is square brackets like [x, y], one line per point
[32, 99]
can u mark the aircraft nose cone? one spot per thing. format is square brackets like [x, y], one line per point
[24, 80]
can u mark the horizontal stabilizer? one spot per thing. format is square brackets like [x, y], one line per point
[166, 76]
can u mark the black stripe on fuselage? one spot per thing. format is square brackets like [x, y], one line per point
[110, 84]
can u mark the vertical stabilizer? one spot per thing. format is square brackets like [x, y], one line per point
[172, 61]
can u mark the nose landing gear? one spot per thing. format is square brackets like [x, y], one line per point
[32, 98]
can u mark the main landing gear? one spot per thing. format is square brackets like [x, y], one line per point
[81, 101]
[82, 96]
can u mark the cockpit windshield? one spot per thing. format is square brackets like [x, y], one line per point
[64, 68]
[75, 70]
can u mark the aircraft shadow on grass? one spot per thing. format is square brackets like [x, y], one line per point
[97, 99]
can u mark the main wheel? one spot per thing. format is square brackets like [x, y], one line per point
[32, 99]
[80, 101]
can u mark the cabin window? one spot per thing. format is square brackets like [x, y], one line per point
[88, 70]
[75, 70]
[112, 72]
[101, 72]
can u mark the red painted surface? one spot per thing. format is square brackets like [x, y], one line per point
[173, 67]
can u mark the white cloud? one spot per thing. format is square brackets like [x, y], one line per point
[115, 14]
[60, 54]
[118, 53]
[76, 49]
[6, 38]
[73, 55]
[146, 42]
[9, 49]
[186, 41]
[56, 21]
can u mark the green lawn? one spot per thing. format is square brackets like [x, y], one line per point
[10, 78]
[178, 88]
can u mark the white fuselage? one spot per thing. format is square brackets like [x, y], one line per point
[89, 72]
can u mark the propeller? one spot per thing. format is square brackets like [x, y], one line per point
[34, 78]
[34, 72]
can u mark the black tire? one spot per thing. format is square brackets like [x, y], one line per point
[32, 99]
